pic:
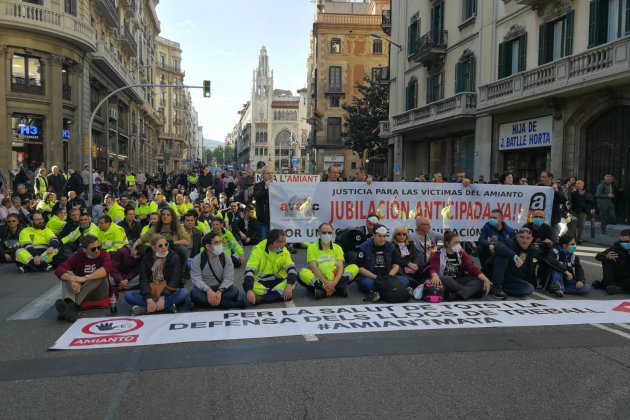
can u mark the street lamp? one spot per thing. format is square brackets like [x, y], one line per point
[377, 36]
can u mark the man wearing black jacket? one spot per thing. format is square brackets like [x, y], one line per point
[75, 182]
[261, 195]
[132, 227]
[582, 204]
[245, 227]
[615, 266]
[9, 238]
[205, 181]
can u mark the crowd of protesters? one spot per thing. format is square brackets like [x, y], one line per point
[152, 232]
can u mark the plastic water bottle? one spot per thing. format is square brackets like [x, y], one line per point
[112, 304]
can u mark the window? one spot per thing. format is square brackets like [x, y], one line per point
[469, 9]
[335, 46]
[334, 129]
[435, 87]
[70, 7]
[413, 31]
[26, 74]
[377, 46]
[608, 20]
[334, 79]
[162, 79]
[465, 75]
[334, 101]
[65, 83]
[411, 94]
[512, 56]
[555, 39]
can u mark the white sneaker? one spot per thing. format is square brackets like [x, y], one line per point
[417, 292]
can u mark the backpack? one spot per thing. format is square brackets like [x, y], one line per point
[392, 290]
[203, 260]
[431, 293]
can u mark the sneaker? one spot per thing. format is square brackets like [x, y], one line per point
[21, 270]
[171, 309]
[138, 310]
[614, 290]
[499, 293]
[319, 294]
[341, 292]
[556, 289]
[598, 284]
[417, 292]
[71, 312]
[48, 267]
[374, 296]
[61, 308]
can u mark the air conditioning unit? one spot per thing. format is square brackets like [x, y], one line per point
[113, 114]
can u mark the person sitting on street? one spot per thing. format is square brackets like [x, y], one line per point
[114, 210]
[161, 287]
[452, 268]
[9, 238]
[58, 220]
[615, 266]
[231, 213]
[73, 240]
[195, 235]
[130, 225]
[154, 218]
[492, 233]
[245, 227]
[111, 236]
[231, 247]
[376, 259]
[126, 269]
[145, 208]
[24, 216]
[570, 280]
[426, 242]
[370, 223]
[72, 222]
[544, 237]
[75, 202]
[84, 277]
[408, 255]
[5, 209]
[270, 273]
[212, 274]
[45, 205]
[326, 275]
[38, 245]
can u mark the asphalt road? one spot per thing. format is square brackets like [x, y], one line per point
[580, 371]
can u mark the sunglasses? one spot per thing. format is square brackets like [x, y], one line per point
[96, 248]
[162, 245]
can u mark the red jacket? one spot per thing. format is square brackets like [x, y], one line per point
[436, 265]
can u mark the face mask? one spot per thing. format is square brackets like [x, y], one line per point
[625, 245]
[457, 248]
[572, 248]
[161, 254]
[537, 221]
[493, 222]
[217, 249]
[326, 237]
[278, 250]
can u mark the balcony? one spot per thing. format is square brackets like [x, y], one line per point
[386, 21]
[384, 130]
[172, 69]
[381, 75]
[333, 88]
[430, 47]
[109, 11]
[461, 105]
[107, 61]
[128, 42]
[15, 14]
[592, 69]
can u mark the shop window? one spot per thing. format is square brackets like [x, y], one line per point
[608, 20]
[334, 130]
[512, 56]
[335, 46]
[411, 94]
[555, 39]
[26, 74]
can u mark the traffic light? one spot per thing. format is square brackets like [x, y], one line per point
[206, 88]
[366, 160]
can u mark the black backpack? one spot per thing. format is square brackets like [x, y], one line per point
[392, 290]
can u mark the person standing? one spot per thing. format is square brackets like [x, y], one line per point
[605, 195]
[261, 195]
[582, 205]
[56, 181]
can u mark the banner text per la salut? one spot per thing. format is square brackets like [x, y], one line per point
[299, 208]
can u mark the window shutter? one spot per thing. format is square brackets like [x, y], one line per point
[542, 44]
[592, 23]
[472, 73]
[522, 52]
[408, 97]
[568, 33]
[459, 82]
[502, 54]
[602, 22]
[627, 11]
[429, 90]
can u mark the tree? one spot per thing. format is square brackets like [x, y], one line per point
[218, 155]
[362, 118]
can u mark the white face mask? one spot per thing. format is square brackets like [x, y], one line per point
[457, 248]
[217, 249]
[161, 254]
[326, 237]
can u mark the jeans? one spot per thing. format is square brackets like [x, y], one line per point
[569, 286]
[263, 230]
[229, 298]
[175, 298]
[607, 214]
[366, 284]
[497, 268]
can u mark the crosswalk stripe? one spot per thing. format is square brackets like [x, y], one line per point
[36, 308]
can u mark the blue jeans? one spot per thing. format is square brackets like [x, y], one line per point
[228, 299]
[175, 298]
[570, 287]
[511, 284]
[366, 284]
[263, 231]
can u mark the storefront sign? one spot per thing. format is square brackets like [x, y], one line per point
[27, 130]
[92, 333]
[65, 135]
[299, 208]
[525, 134]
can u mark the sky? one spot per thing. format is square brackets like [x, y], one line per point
[221, 41]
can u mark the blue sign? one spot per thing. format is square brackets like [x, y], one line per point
[296, 161]
[29, 130]
[65, 134]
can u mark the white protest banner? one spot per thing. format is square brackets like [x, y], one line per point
[292, 178]
[278, 322]
[300, 208]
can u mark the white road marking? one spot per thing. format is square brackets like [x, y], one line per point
[600, 326]
[591, 263]
[307, 337]
[626, 326]
[36, 308]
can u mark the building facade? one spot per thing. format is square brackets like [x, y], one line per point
[61, 58]
[514, 85]
[342, 53]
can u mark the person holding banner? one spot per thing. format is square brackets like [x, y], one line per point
[261, 195]
[425, 240]
[376, 259]
[492, 233]
[333, 173]
[326, 275]
[453, 269]
[270, 273]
